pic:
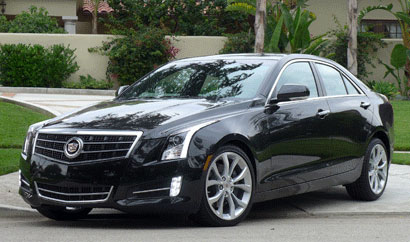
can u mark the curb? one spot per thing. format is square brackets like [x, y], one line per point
[66, 91]
[35, 107]
[9, 207]
[306, 215]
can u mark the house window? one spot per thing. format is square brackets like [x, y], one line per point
[389, 28]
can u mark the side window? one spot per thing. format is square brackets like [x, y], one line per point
[298, 73]
[332, 80]
[349, 86]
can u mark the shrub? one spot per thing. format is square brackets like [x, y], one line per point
[177, 17]
[35, 21]
[368, 45]
[88, 82]
[35, 66]
[386, 88]
[136, 53]
[4, 24]
[239, 43]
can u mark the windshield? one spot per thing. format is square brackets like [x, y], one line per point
[207, 79]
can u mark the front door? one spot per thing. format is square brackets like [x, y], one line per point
[299, 140]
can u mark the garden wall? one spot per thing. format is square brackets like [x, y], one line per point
[95, 64]
[189, 46]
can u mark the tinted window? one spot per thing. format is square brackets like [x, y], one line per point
[350, 88]
[298, 73]
[332, 80]
[209, 79]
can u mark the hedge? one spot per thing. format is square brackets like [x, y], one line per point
[36, 66]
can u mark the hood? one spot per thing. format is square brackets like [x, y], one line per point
[143, 115]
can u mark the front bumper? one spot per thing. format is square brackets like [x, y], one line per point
[122, 184]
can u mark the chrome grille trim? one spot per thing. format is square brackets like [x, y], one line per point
[73, 194]
[152, 190]
[108, 194]
[136, 134]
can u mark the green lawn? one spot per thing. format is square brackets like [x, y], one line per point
[401, 125]
[14, 122]
[400, 158]
[9, 160]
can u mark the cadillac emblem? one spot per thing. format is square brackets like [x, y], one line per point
[73, 147]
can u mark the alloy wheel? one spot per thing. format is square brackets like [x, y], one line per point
[378, 169]
[228, 186]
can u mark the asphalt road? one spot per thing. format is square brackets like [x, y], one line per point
[259, 226]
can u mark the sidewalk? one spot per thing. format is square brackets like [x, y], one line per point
[60, 103]
[332, 201]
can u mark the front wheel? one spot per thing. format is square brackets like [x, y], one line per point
[64, 213]
[228, 188]
[372, 182]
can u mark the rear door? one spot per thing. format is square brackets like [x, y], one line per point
[349, 119]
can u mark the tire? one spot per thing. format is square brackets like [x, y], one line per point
[233, 189]
[364, 188]
[63, 213]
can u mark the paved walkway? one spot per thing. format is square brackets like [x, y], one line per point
[59, 103]
[396, 199]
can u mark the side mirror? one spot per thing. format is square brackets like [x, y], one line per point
[120, 90]
[290, 92]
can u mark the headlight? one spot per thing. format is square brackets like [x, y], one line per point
[29, 137]
[27, 142]
[175, 147]
[178, 144]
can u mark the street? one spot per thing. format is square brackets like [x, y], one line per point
[29, 226]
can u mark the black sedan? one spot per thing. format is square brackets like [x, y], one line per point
[209, 137]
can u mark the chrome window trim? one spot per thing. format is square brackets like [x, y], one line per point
[73, 202]
[319, 98]
[353, 83]
[151, 190]
[341, 73]
[138, 135]
[313, 98]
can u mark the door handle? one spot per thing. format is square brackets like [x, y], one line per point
[322, 113]
[365, 105]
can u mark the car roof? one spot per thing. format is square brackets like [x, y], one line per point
[258, 56]
[264, 56]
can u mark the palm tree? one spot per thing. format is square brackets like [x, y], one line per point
[352, 44]
[95, 7]
[260, 25]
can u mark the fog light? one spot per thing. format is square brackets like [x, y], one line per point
[175, 186]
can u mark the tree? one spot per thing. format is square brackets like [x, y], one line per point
[36, 20]
[352, 44]
[402, 56]
[260, 25]
[96, 7]
[94, 15]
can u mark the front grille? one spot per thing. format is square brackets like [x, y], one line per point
[71, 194]
[97, 147]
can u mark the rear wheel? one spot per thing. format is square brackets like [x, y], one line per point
[372, 182]
[228, 188]
[64, 213]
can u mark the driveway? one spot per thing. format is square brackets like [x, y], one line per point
[322, 215]
[26, 226]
